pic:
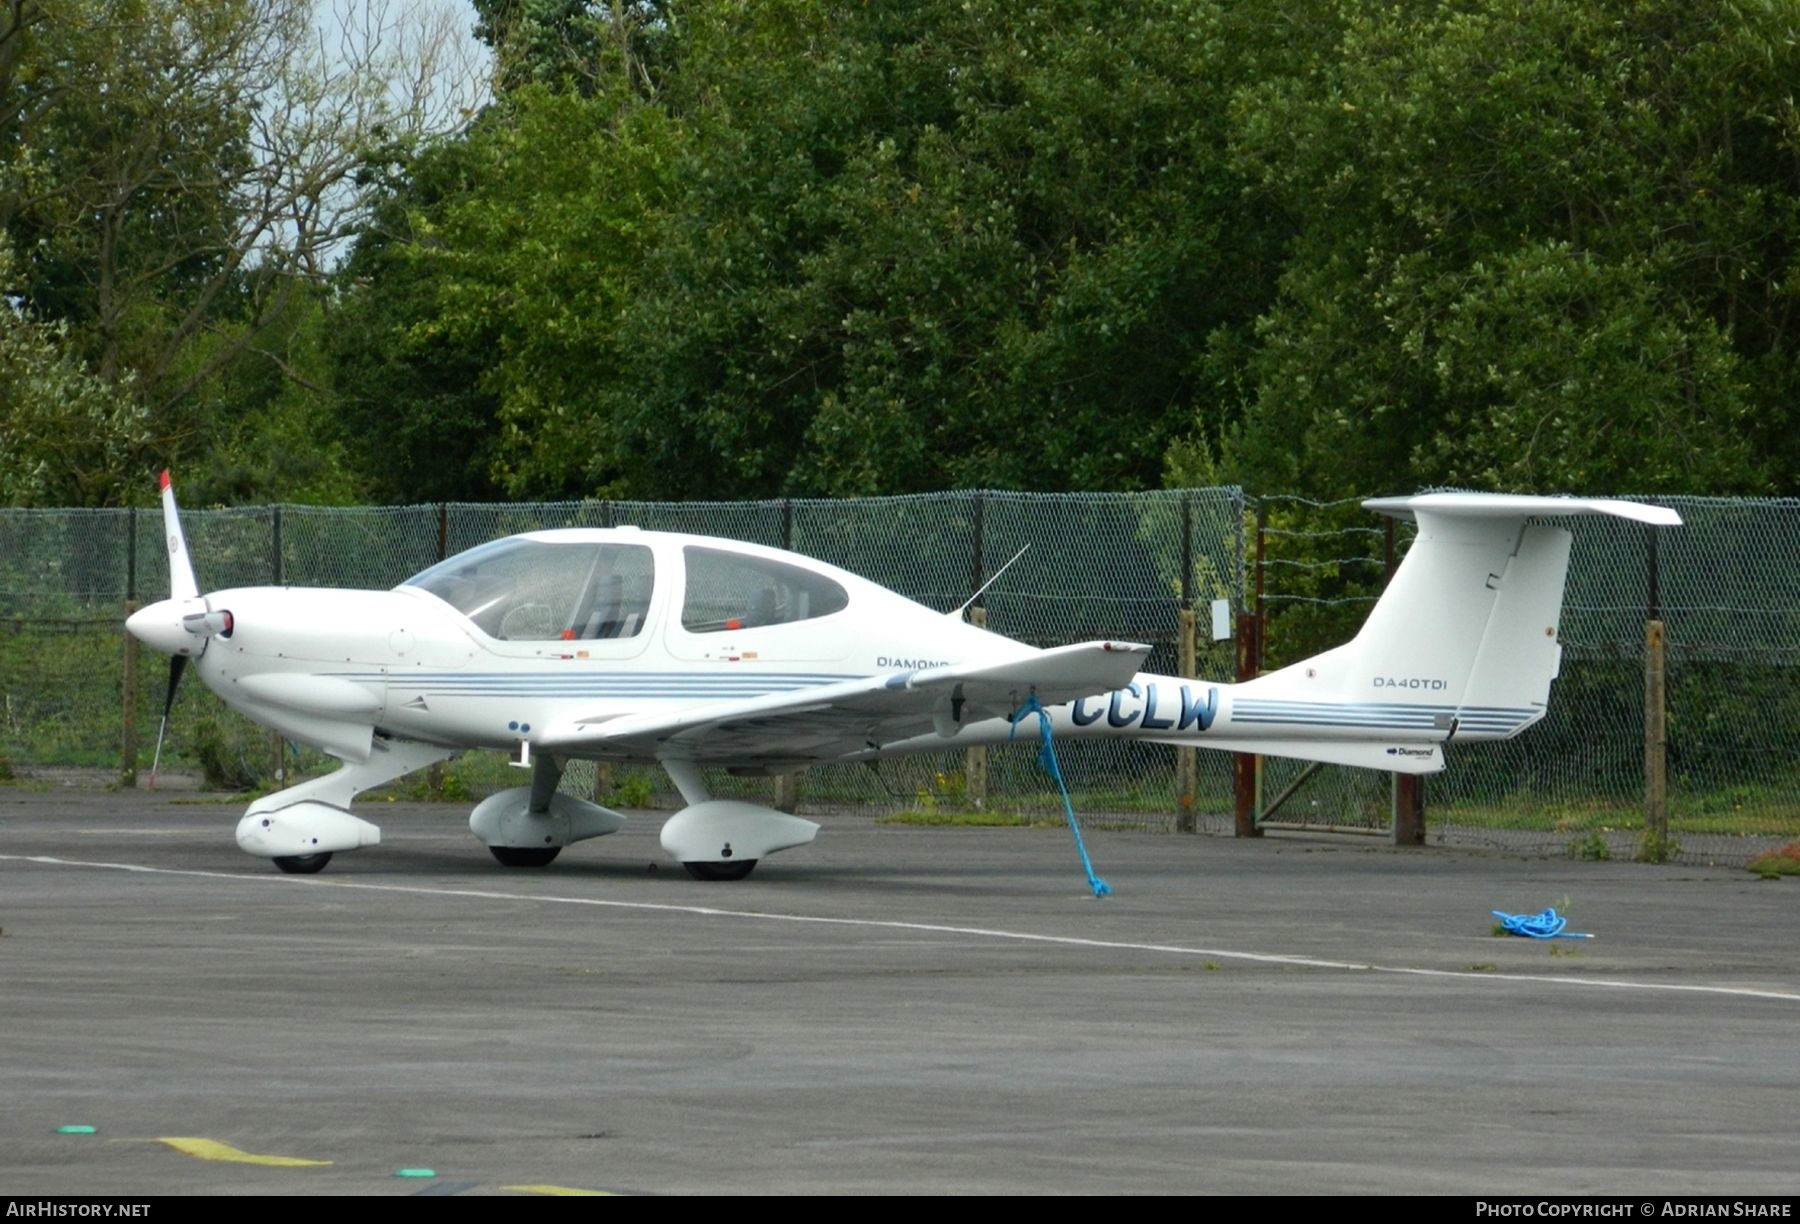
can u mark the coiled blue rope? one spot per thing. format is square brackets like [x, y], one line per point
[1547, 925]
[1047, 758]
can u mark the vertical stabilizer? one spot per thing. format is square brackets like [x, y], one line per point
[1463, 643]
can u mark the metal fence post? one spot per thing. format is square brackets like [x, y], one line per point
[277, 571]
[1409, 789]
[1655, 848]
[1656, 737]
[977, 575]
[1247, 767]
[434, 776]
[128, 694]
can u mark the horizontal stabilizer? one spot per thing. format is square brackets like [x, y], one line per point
[1518, 506]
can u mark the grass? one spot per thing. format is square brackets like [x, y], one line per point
[1772, 812]
[968, 819]
[1781, 861]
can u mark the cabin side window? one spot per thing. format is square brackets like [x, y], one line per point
[729, 591]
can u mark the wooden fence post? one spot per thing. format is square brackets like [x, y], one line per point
[975, 760]
[1186, 767]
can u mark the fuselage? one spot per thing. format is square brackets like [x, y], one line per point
[493, 647]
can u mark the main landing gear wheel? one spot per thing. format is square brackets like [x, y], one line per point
[303, 864]
[523, 856]
[720, 871]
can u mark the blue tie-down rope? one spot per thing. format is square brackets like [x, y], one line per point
[1547, 925]
[1047, 758]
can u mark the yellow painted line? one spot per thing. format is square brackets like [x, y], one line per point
[562, 1191]
[212, 1149]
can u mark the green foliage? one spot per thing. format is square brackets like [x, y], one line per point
[1536, 245]
[228, 755]
[68, 437]
[816, 249]
[911, 236]
[1772, 864]
[576, 45]
[1592, 848]
[948, 789]
[631, 788]
[1654, 847]
[174, 179]
[409, 412]
[716, 250]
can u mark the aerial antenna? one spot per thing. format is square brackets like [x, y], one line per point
[990, 582]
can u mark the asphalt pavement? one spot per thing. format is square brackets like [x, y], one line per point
[891, 1009]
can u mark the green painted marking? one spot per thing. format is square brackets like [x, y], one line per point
[415, 1172]
[75, 1130]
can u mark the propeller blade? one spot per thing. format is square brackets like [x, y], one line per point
[177, 665]
[182, 584]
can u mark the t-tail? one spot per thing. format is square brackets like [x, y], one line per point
[1462, 646]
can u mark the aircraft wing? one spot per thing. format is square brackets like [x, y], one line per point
[821, 724]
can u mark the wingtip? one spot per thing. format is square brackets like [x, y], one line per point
[162, 481]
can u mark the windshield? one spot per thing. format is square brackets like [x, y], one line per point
[519, 589]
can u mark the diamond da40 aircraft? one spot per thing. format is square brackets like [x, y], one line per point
[688, 651]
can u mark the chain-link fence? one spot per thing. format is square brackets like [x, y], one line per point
[1725, 587]
[73, 692]
[1125, 565]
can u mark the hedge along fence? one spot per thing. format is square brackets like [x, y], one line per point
[74, 691]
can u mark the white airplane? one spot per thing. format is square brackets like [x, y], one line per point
[625, 645]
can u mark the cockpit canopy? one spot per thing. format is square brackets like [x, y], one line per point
[526, 588]
[533, 590]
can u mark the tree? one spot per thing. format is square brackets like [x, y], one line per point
[929, 244]
[1536, 245]
[68, 437]
[171, 173]
[577, 45]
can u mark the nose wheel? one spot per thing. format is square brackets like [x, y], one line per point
[302, 864]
